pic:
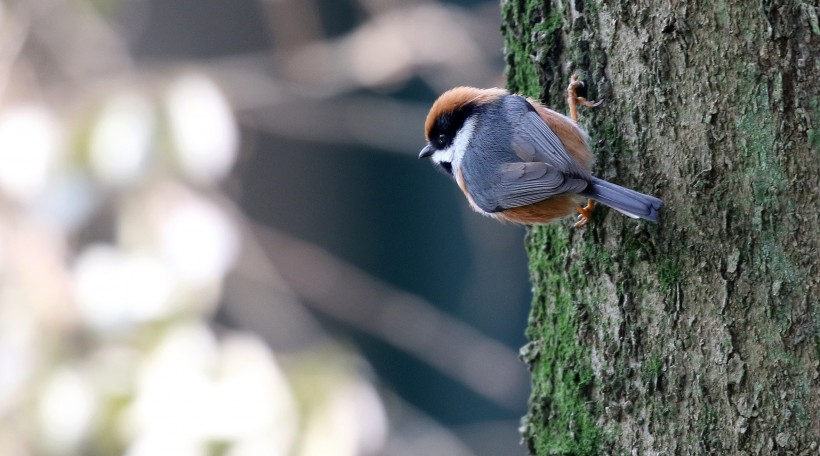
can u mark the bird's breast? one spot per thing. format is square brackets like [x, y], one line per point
[462, 184]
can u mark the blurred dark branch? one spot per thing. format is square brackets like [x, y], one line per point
[257, 298]
[345, 293]
[376, 122]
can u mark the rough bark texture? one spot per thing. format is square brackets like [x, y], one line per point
[699, 334]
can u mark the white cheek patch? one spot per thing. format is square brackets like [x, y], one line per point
[444, 155]
[455, 152]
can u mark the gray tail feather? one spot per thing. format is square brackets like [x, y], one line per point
[624, 200]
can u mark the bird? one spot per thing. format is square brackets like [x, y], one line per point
[517, 160]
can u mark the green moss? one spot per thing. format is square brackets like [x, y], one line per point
[531, 32]
[768, 181]
[521, 73]
[707, 420]
[812, 16]
[669, 274]
[757, 133]
[616, 144]
[814, 140]
[634, 248]
[551, 25]
[562, 415]
[723, 16]
[652, 369]
[814, 132]
[592, 252]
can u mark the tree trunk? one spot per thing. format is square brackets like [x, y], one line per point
[699, 334]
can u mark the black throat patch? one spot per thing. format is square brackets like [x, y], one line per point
[447, 167]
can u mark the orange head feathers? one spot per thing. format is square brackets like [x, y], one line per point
[454, 99]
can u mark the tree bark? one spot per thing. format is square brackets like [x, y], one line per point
[699, 334]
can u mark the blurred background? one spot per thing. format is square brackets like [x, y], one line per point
[216, 239]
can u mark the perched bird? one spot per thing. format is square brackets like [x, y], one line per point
[517, 160]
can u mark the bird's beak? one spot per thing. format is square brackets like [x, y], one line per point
[426, 152]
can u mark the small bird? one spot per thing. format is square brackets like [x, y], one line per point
[519, 161]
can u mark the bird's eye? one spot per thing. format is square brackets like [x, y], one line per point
[442, 138]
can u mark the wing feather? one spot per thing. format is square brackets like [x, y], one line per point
[521, 184]
[537, 168]
[534, 141]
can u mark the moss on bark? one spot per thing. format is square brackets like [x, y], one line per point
[701, 333]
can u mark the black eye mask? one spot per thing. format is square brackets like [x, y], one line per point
[447, 126]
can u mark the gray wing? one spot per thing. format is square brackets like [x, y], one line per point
[541, 167]
[516, 184]
[521, 184]
[534, 141]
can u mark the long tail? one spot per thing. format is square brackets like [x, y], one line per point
[624, 200]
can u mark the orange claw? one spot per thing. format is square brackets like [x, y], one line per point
[585, 214]
[573, 100]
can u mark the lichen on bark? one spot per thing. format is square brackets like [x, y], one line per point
[700, 334]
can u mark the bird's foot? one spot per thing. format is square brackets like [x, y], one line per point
[585, 214]
[576, 93]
